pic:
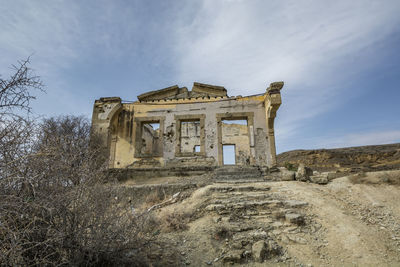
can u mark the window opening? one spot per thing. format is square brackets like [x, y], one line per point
[240, 122]
[190, 136]
[229, 154]
[151, 142]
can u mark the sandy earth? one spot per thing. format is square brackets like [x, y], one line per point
[360, 222]
[343, 224]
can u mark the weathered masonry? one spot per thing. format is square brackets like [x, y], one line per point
[175, 127]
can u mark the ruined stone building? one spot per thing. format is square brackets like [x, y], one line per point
[175, 127]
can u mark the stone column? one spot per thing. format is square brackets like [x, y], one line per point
[104, 111]
[272, 102]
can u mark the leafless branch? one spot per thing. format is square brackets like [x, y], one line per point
[16, 91]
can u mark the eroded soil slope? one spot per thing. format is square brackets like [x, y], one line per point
[284, 224]
[350, 159]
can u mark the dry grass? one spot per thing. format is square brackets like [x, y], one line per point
[175, 221]
[222, 233]
[155, 197]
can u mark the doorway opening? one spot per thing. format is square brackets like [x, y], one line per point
[228, 153]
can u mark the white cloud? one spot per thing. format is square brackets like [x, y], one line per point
[47, 29]
[245, 45]
[240, 44]
[61, 36]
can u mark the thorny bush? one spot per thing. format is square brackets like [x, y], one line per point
[55, 208]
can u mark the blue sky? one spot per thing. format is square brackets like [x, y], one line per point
[339, 59]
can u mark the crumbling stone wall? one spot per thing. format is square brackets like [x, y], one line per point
[190, 136]
[188, 119]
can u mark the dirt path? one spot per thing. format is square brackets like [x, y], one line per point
[360, 222]
[287, 224]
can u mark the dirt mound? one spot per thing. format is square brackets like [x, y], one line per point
[347, 160]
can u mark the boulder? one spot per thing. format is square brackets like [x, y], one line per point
[286, 175]
[303, 173]
[319, 179]
[233, 256]
[333, 175]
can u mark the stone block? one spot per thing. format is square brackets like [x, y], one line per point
[259, 251]
[287, 175]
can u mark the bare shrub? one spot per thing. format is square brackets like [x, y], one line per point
[156, 196]
[82, 228]
[16, 92]
[55, 208]
[175, 221]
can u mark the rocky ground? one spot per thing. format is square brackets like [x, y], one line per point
[352, 220]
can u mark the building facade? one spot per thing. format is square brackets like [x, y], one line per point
[177, 127]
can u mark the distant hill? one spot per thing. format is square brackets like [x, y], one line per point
[348, 159]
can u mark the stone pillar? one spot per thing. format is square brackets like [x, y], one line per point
[272, 102]
[104, 110]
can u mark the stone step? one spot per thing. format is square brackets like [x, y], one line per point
[243, 204]
[239, 199]
[246, 171]
[229, 180]
[236, 168]
[239, 175]
[225, 189]
[221, 198]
